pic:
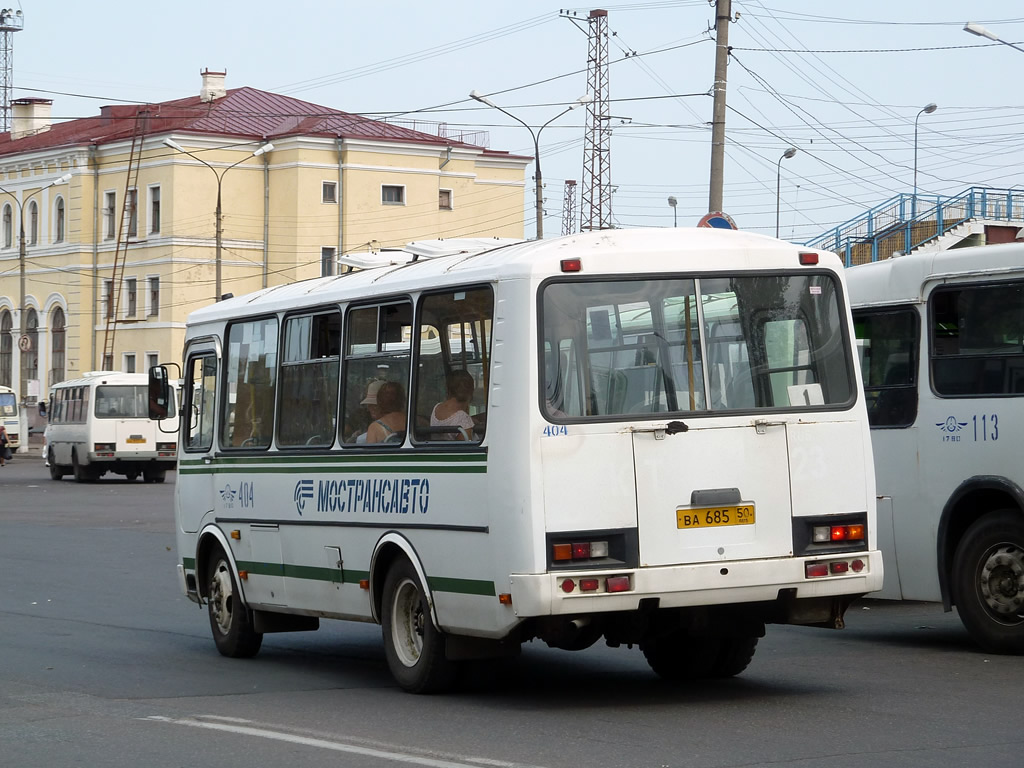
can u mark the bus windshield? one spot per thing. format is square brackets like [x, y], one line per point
[632, 347]
[125, 402]
[8, 404]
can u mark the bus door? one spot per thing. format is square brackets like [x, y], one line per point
[195, 486]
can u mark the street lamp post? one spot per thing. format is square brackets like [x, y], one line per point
[927, 109]
[778, 184]
[218, 212]
[23, 330]
[980, 31]
[584, 99]
[672, 204]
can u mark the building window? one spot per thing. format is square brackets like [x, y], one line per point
[392, 194]
[8, 226]
[152, 360]
[327, 262]
[154, 210]
[33, 223]
[154, 296]
[108, 300]
[444, 199]
[6, 345]
[108, 215]
[132, 213]
[58, 232]
[57, 346]
[130, 288]
[129, 362]
[330, 192]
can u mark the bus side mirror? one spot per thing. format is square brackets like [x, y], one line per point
[42, 408]
[159, 392]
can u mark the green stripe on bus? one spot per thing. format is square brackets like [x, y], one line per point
[349, 576]
[189, 563]
[269, 468]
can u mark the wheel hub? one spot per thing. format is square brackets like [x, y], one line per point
[1002, 580]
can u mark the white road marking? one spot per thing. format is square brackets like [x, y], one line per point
[247, 728]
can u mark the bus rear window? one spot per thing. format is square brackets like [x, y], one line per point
[125, 402]
[629, 348]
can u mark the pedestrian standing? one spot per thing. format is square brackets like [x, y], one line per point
[4, 450]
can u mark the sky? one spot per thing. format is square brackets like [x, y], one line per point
[843, 83]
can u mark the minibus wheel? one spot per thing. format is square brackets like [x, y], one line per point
[988, 581]
[678, 657]
[56, 470]
[82, 473]
[413, 646]
[230, 619]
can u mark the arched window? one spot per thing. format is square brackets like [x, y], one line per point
[57, 347]
[31, 358]
[8, 226]
[33, 223]
[58, 232]
[6, 345]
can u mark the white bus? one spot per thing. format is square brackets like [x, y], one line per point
[9, 417]
[942, 344]
[666, 445]
[100, 423]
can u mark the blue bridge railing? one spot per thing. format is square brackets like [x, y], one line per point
[906, 222]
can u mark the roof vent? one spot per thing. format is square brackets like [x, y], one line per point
[213, 85]
[30, 116]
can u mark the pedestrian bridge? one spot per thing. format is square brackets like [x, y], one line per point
[908, 223]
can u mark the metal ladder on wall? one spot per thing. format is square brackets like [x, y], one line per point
[131, 193]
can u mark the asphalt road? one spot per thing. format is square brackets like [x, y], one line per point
[104, 663]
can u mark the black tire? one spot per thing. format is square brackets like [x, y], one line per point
[734, 656]
[154, 475]
[988, 581]
[82, 473]
[230, 618]
[678, 657]
[131, 477]
[413, 646]
[56, 470]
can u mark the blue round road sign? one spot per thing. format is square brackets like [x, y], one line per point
[717, 220]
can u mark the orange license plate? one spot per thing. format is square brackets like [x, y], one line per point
[715, 517]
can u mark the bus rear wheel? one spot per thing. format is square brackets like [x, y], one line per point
[230, 620]
[988, 581]
[678, 657]
[154, 475]
[413, 646]
[83, 473]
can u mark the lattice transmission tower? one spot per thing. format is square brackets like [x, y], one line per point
[11, 21]
[569, 208]
[596, 198]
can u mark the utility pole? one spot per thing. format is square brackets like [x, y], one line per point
[569, 208]
[596, 197]
[723, 13]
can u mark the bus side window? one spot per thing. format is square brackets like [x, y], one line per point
[888, 344]
[251, 384]
[200, 391]
[453, 353]
[308, 406]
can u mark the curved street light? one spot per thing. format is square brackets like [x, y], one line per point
[927, 109]
[980, 31]
[584, 99]
[218, 213]
[778, 181]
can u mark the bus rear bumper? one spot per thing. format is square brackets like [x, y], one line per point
[680, 586]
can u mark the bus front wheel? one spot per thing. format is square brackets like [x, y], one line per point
[413, 646]
[230, 619]
[988, 581]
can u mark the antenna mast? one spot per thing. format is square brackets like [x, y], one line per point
[11, 21]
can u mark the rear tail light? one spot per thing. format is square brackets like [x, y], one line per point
[819, 569]
[104, 449]
[593, 584]
[824, 534]
[579, 550]
[166, 446]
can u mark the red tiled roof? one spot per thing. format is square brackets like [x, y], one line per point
[243, 113]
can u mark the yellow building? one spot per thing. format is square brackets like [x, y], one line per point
[115, 257]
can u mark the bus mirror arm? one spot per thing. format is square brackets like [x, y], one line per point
[674, 427]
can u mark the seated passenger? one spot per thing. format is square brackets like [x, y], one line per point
[390, 425]
[370, 403]
[454, 412]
